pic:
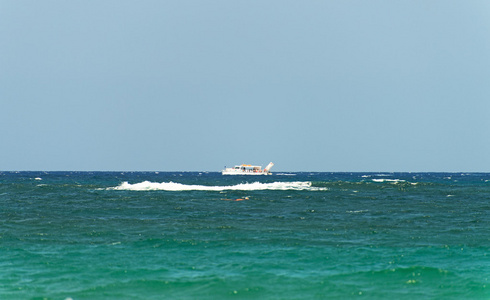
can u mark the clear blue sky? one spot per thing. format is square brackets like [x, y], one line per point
[197, 85]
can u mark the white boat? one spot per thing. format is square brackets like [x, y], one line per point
[248, 170]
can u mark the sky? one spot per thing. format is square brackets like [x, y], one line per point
[191, 85]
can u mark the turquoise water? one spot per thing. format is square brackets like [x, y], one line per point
[81, 235]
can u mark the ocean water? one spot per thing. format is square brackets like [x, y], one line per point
[142, 235]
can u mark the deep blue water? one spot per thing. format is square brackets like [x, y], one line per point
[141, 235]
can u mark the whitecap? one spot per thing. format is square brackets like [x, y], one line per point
[393, 181]
[255, 186]
[388, 180]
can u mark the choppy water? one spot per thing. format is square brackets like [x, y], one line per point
[99, 235]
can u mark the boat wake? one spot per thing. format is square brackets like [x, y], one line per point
[256, 186]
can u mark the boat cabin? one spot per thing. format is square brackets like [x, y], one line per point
[248, 168]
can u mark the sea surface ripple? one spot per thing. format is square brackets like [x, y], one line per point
[201, 235]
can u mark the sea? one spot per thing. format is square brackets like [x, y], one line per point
[202, 235]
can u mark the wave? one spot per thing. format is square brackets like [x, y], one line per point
[394, 181]
[389, 180]
[376, 175]
[256, 186]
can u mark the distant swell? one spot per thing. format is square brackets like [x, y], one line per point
[256, 186]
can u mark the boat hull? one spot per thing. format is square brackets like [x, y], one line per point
[245, 173]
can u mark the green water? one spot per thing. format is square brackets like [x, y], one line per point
[76, 235]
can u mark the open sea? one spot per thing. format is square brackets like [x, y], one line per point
[191, 235]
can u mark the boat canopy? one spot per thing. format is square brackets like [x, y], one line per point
[244, 166]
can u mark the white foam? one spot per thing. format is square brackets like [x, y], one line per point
[394, 181]
[357, 211]
[256, 186]
[388, 180]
